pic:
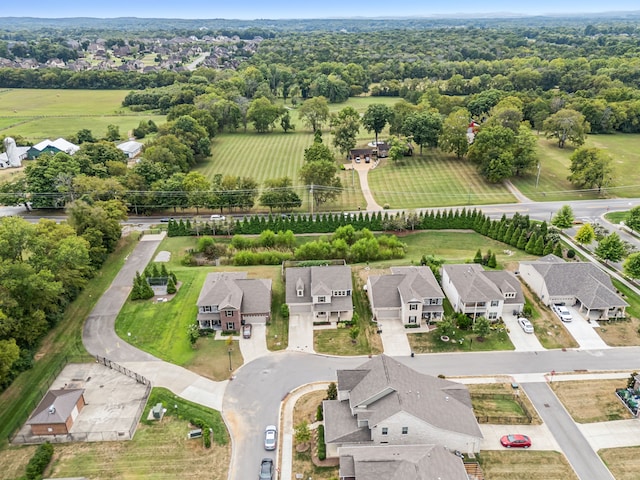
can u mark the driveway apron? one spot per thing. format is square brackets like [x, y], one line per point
[394, 338]
[301, 332]
[524, 342]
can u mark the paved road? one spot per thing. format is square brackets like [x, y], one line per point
[584, 460]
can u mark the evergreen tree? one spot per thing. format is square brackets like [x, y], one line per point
[557, 251]
[492, 263]
[154, 271]
[539, 248]
[531, 244]
[548, 248]
[163, 270]
[478, 257]
[515, 237]
[522, 241]
[171, 286]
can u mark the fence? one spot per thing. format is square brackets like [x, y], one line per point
[125, 371]
[25, 409]
[504, 419]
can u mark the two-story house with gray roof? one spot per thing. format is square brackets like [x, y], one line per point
[411, 294]
[325, 291]
[229, 299]
[573, 283]
[481, 293]
[384, 402]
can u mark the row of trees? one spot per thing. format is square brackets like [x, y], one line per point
[44, 267]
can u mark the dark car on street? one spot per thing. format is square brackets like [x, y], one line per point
[266, 469]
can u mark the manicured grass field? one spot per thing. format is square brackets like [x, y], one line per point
[432, 180]
[38, 114]
[64, 342]
[554, 161]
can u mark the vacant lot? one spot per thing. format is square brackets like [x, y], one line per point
[525, 465]
[624, 463]
[602, 404]
[554, 162]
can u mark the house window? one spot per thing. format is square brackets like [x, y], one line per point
[206, 309]
[231, 325]
[495, 303]
[481, 304]
[413, 306]
[405, 430]
[385, 430]
[321, 299]
[301, 293]
[435, 301]
[492, 315]
[228, 313]
[412, 319]
[510, 295]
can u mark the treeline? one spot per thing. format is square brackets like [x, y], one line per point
[44, 267]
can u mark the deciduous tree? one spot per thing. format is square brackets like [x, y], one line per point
[376, 118]
[590, 167]
[566, 125]
[314, 112]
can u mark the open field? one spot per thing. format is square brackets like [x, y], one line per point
[63, 344]
[603, 405]
[624, 463]
[431, 180]
[159, 449]
[525, 465]
[38, 114]
[553, 184]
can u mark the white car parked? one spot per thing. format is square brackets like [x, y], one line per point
[563, 313]
[526, 325]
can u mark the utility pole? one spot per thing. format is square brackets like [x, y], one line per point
[311, 194]
[538, 176]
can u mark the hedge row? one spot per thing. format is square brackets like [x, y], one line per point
[38, 463]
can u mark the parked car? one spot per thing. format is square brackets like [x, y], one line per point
[563, 313]
[525, 324]
[358, 159]
[266, 469]
[246, 330]
[515, 441]
[367, 159]
[216, 217]
[270, 437]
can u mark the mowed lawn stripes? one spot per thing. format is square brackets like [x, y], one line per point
[433, 180]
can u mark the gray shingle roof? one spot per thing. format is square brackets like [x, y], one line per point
[402, 462]
[235, 290]
[341, 426]
[62, 402]
[590, 285]
[471, 284]
[320, 280]
[506, 281]
[404, 284]
[391, 387]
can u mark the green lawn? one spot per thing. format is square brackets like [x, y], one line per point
[431, 342]
[37, 114]
[63, 344]
[431, 180]
[553, 184]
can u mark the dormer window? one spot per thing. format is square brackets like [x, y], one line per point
[300, 288]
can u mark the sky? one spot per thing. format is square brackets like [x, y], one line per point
[274, 9]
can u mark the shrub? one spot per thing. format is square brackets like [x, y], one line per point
[322, 447]
[319, 413]
[206, 437]
[332, 391]
[571, 253]
[284, 311]
[386, 206]
[39, 461]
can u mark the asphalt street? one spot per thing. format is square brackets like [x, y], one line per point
[585, 461]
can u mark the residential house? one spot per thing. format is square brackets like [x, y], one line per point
[384, 402]
[405, 462]
[326, 291]
[230, 299]
[411, 294]
[56, 412]
[131, 148]
[573, 283]
[477, 292]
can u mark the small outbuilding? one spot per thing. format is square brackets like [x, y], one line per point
[131, 148]
[57, 411]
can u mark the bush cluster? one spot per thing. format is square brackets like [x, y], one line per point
[322, 447]
[39, 461]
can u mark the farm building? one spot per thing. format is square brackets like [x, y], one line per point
[57, 411]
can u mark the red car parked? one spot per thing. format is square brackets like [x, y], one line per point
[515, 441]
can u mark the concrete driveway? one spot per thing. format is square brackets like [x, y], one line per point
[256, 346]
[524, 342]
[616, 434]
[301, 332]
[394, 338]
[584, 332]
[541, 437]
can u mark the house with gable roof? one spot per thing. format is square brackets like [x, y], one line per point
[326, 291]
[230, 299]
[573, 283]
[53, 147]
[405, 462]
[384, 402]
[477, 292]
[411, 294]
